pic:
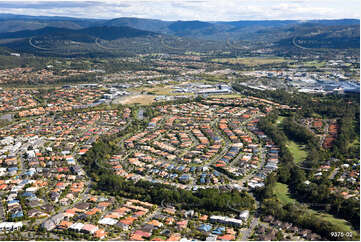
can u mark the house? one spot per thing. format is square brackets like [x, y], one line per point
[226, 237]
[36, 213]
[122, 226]
[51, 223]
[155, 223]
[304, 232]
[100, 234]
[142, 233]
[189, 213]
[77, 170]
[103, 205]
[286, 226]
[174, 237]
[47, 208]
[17, 214]
[128, 220]
[93, 211]
[205, 227]
[277, 223]
[76, 227]
[148, 228]
[211, 237]
[169, 220]
[170, 210]
[182, 224]
[64, 224]
[48, 225]
[293, 229]
[89, 228]
[219, 230]
[268, 219]
[136, 237]
[82, 206]
[35, 202]
[107, 221]
[313, 237]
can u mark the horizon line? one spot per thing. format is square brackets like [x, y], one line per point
[64, 16]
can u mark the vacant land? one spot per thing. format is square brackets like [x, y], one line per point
[252, 61]
[158, 90]
[226, 96]
[141, 99]
[298, 152]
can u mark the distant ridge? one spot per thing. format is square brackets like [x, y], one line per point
[86, 34]
[59, 35]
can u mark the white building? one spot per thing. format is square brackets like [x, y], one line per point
[107, 221]
[244, 215]
[10, 226]
[226, 220]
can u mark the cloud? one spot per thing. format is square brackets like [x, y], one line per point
[206, 10]
[48, 4]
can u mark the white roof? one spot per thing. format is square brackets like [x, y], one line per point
[31, 189]
[11, 225]
[226, 219]
[3, 224]
[244, 214]
[18, 224]
[108, 221]
[76, 226]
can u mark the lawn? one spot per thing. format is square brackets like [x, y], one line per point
[281, 191]
[299, 154]
[280, 120]
[341, 223]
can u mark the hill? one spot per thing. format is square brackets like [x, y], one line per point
[313, 35]
[83, 35]
[127, 36]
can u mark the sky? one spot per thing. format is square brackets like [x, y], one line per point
[204, 10]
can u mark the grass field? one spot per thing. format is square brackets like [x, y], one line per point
[282, 194]
[281, 191]
[314, 63]
[251, 61]
[298, 153]
[341, 223]
[280, 120]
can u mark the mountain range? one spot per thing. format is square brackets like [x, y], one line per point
[42, 35]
